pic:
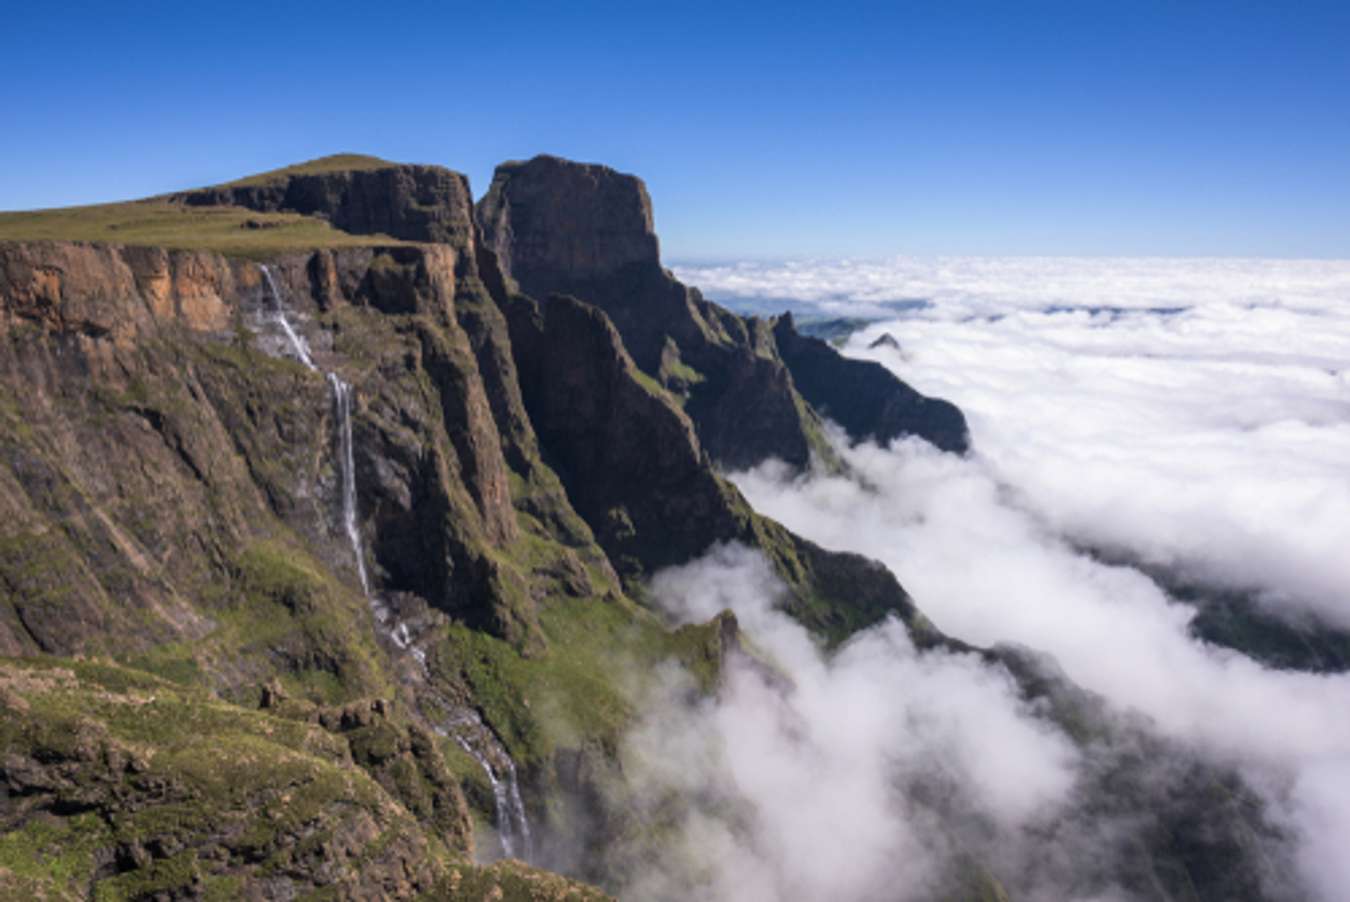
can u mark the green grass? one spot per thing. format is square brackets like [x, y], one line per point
[212, 771]
[234, 231]
[161, 223]
[585, 688]
[338, 162]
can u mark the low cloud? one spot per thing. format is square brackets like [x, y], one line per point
[1191, 415]
[970, 286]
[805, 779]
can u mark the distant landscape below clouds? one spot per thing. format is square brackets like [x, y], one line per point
[1185, 417]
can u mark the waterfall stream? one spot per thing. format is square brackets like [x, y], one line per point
[342, 405]
[298, 345]
[474, 736]
[465, 726]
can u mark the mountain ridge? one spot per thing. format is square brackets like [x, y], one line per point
[523, 463]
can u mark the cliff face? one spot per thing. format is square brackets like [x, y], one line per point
[634, 467]
[172, 480]
[865, 397]
[586, 231]
[171, 486]
[153, 351]
[413, 203]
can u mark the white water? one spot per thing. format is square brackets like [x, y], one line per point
[298, 344]
[474, 736]
[465, 726]
[342, 405]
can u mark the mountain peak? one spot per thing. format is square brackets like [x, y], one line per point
[556, 223]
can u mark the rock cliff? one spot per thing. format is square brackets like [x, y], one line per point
[865, 397]
[753, 390]
[414, 203]
[586, 231]
[203, 699]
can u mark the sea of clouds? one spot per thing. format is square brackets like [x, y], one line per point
[1190, 415]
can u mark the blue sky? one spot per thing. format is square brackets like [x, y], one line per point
[763, 131]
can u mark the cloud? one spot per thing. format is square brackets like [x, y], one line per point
[1193, 415]
[980, 285]
[882, 773]
[809, 791]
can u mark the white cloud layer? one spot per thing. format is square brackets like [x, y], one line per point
[1213, 439]
[974, 285]
[805, 792]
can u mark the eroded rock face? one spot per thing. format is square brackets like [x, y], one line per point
[148, 441]
[553, 222]
[629, 458]
[752, 391]
[411, 203]
[586, 231]
[864, 397]
[80, 289]
[634, 467]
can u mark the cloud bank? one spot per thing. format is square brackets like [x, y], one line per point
[1193, 414]
[807, 790]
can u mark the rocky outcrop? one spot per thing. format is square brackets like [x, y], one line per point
[586, 231]
[864, 397]
[82, 289]
[412, 203]
[634, 467]
[143, 790]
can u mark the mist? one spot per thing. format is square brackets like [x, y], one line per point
[805, 770]
[1191, 415]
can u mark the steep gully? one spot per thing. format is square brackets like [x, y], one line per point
[462, 724]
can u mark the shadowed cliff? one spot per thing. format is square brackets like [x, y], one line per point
[587, 231]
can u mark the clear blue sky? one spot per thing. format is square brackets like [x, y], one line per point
[762, 131]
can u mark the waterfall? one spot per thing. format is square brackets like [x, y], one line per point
[342, 405]
[342, 408]
[465, 726]
[298, 345]
[474, 736]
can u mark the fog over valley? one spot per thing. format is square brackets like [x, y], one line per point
[1158, 474]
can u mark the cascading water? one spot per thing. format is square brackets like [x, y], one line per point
[342, 405]
[465, 726]
[472, 735]
[298, 345]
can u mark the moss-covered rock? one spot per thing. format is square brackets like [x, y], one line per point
[123, 785]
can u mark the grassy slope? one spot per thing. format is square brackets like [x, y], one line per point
[338, 162]
[234, 231]
[241, 782]
[218, 801]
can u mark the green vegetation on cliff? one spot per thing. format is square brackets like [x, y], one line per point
[234, 231]
[333, 163]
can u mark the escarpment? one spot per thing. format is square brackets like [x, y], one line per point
[414, 203]
[634, 467]
[203, 698]
[587, 231]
